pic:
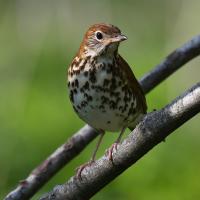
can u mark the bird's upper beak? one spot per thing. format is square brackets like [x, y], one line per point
[118, 38]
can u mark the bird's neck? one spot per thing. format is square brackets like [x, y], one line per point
[110, 52]
[106, 56]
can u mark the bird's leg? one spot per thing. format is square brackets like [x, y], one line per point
[114, 145]
[97, 146]
[80, 169]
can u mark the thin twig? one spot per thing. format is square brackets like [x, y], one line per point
[63, 155]
[154, 128]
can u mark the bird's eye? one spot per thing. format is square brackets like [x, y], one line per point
[99, 35]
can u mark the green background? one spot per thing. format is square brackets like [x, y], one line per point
[38, 39]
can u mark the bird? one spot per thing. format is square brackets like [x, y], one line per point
[103, 90]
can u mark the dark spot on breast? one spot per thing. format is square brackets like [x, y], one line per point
[119, 115]
[124, 108]
[86, 86]
[83, 65]
[100, 65]
[85, 73]
[89, 98]
[119, 83]
[76, 71]
[125, 118]
[109, 68]
[83, 103]
[112, 104]
[117, 101]
[75, 62]
[104, 67]
[108, 122]
[76, 83]
[120, 108]
[75, 91]
[71, 96]
[116, 71]
[92, 76]
[131, 111]
[125, 87]
[126, 99]
[85, 95]
[78, 107]
[115, 94]
[93, 62]
[113, 85]
[98, 88]
[105, 82]
[101, 107]
[132, 105]
[104, 99]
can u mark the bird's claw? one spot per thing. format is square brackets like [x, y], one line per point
[81, 168]
[109, 151]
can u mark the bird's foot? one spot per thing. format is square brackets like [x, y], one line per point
[109, 151]
[82, 167]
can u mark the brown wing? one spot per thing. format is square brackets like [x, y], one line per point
[134, 84]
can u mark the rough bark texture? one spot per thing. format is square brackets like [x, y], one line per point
[154, 128]
[39, 176]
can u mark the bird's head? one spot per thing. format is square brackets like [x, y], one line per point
[101, 39]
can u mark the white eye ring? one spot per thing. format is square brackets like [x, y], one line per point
[99, 35]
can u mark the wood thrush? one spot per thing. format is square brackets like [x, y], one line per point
[102, 87]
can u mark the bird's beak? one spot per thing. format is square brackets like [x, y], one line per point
[119, 38]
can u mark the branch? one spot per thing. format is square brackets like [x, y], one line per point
[172, 62]
[154, 128]
[79, 141]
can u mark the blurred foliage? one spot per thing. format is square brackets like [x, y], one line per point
[38, 39]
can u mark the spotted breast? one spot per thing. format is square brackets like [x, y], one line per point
[100, 92]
